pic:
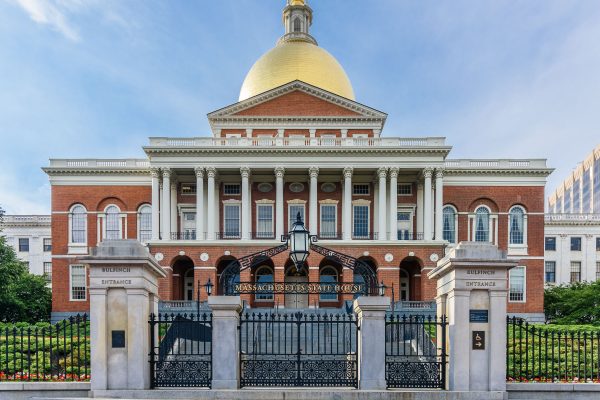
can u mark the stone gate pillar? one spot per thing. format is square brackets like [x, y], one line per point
[225, 350]
[123, 293]
[472, 292]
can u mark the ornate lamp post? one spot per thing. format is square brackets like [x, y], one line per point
[299, 240]
[381, 289]
[208, 287]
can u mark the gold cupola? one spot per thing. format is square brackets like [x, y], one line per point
[296, 56]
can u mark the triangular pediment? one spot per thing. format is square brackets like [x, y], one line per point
[297, 99]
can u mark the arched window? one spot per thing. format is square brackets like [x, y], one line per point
[516, 221]
[264, 275]
[78, 224]
[328, 275]
[449, 232]
[145, 223]
[297, 25]
[112, 223]
[482, 224]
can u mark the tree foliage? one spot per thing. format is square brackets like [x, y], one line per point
[577, 303]
[23, 296]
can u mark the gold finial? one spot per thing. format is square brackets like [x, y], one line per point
[297, 3]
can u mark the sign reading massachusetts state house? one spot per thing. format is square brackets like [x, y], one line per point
[299, 287]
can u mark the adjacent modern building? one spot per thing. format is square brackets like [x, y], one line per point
[297, 142]
[30, 236]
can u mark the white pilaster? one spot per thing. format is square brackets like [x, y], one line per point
[173, 218]
[245, 172]
[393, 228]
[427, 172]
[347, 206]
[279, 219]
[155, 173]
[313, 205]
[439, 204]
[419, 209]
[199, 202]
[166, 204]
[211, 172]
[382, 173]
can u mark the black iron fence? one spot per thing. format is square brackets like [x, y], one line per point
[543, 353]
[298, 349]
[181, 350]
[415, 351]
[45, 352]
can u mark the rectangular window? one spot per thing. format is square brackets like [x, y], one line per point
[47, 244]
[586, 192]
[188, 188]
[78, 282]
[404, 189]
[293, 210]
[550, 272]
[360, 222]
[145, 226]
[516, 279]
[24, 244]
[576, 196]
[568, 208]
[575, 271]
[598, 244]
[48, 271]
[264, 221]
[232, 189]
[231, 220]
[550, 244]
[360, 189]
[596, 185]
[328, 221]
[575, 244]
[597, 270]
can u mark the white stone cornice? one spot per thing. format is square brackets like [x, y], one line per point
[313, 172]
[199, 171]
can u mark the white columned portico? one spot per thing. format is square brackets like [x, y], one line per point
[211, 172]
[313, 172]
[393, 213]
[245, 172]
[382, 173]
[279, 172]
[166, 204]
[199, 202]
[155, 173]
[347, 206]
[427, 172]
[439, 204]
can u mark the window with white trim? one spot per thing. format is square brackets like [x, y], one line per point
[293, 210]
[360, 223]
[482, 224]
[328, 221]
[516, 225]
[360, 189]
[575, 275]
[48, 271]
[47, 244]
[232, 189]
[328, 276]
[24, 245]
[145, 223]
[550, 243]
[78, 282]
[231, 220]
[405, 189]
[550, 272]
[516, 283]
[78, 224]
[597, 270]
[112, 223]
[264, 221]
[449, 224]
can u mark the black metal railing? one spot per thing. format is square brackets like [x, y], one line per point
[415, 351]
[404, 235]
[228, 235]
[59, 352]
[544, 353]
[263, 235]
[364, 235]
[189, 235]
[330, 236]
[298, 349]
[181, 350]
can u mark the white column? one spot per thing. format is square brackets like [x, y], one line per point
[347, 206]
[427, 172]
[245, 172]
[439, 204]
[382, 173]
[419, 210]
[166, 204]
[199, 202]
[313, 204]
[393, 228]
[279, 220]
[174, 227]
[211, 172]
[155, 203]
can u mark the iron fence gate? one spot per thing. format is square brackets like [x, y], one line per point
[298, 349]
[412, 356]
[181, 350]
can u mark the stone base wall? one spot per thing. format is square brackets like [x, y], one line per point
[28, 390]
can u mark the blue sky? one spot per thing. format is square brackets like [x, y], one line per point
[95, 78]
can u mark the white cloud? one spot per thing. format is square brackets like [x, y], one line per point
[19, 198]
[52, 13]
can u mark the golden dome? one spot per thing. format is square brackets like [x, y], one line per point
[296, 60]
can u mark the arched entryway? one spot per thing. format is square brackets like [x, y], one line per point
[360, 277]
[222, 264]
[292, 275]
[410, 279]
[183, 278]
[330, 271]
[263, 273]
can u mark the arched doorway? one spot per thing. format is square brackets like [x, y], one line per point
[404, 285]
[183, 278]
[231, 279]
[292, 275]
[359, 276]
[410, 279]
